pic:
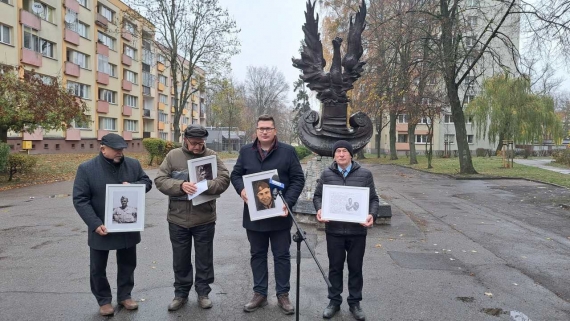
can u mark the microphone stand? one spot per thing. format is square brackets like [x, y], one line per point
[298, 238]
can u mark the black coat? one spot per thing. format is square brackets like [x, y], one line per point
[89, 191]
[285, 160]
[358, 176]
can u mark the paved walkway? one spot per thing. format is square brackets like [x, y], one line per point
[542, 163]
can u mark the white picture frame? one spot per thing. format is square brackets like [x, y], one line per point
[121, 215]
[255, 203]
[200, 169]
[345, 203]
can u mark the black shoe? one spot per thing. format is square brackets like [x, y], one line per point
[331, 310]
[357, 312]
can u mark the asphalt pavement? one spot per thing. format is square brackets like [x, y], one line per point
[455, 250]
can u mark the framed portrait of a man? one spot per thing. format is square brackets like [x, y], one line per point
[203, 168]
[259, 198]
[125, 207]
[345, 203]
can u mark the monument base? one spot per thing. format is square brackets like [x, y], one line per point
[304, 210]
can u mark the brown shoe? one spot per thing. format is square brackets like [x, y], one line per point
[204, 302]
[129, 304]
[177, 303]
[106, 310]
[284, 303]
[256, 302]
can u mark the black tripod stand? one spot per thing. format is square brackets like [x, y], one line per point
[298, 238]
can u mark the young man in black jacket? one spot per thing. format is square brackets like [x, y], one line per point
[346, 241]
[266, 153]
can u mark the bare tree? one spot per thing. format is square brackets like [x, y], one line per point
[266, 89]
[188, 34]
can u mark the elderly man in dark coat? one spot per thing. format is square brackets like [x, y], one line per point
[266, 153]
[346, 241]
[89, 189]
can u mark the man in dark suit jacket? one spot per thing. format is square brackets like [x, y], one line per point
[89, 189]
[265, 154]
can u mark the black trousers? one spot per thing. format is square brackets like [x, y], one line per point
[126, 264]
[350, 248]
[259, 245]
[181, 239]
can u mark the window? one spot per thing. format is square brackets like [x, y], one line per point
[78, 89]
[469, 139]
[163, 117]
[145, 67]
[148, 79]
[130, 125]
[31, 39]
[163, 135]
[83, 29]
[472, 21]
[468, 119]
[448, 119]
[106, 12]
[113, 70]
[468, 99]
[5, 1]
[81, 124]
[47, 48]
[131, 52]
[184, 120]
[173, 101]
[147, 57]
[470, 42]
[107, 123]
[83, 3]
[103, 64]
[131, 76]
[5, 34]
[108, 95]
[473, 3]
[469, 81]
[425, 120]
[106, 40]
[449, 138]
[163, 99]
[73, 24]
[78, 58]
[402, 138]
[130, 27]
[161, 59]
[422, 139]
[402, 119]
[46, 12]
[162, 79]
[426, 101]
[129, 100]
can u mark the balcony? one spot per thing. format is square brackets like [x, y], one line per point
[147, 113]
[161, 106]
[102, 78]
[72, 5]
[127, 110]
[73, 134]
[71, 37]
[102, 106]
[127, 85]
[37, 134]
[147, 91]
[31, 57]
[173, 110]
[127, 60]
[161, 86]
[127, 135]
[184, 111]
[71, 69]
[402, 127]
[101, 133]
[31, 20]
[102, 49]
[160, 125]
[160, 66]
[146, 134]
[101, 21]
[126, 35]
[402, 146]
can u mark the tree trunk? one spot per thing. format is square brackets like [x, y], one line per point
[379, 135]
[500, 144]
[3, 134]
[393, 152]
[360, 154]
[177, 125]
[412, 143]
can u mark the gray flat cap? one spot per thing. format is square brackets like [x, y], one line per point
[195, 130]
[114, 141]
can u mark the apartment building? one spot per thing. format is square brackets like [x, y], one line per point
[444, 137]
[103, 57]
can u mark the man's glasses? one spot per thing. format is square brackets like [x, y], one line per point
[265, 129]
[194, 144]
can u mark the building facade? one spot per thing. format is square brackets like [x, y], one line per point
[103, 57]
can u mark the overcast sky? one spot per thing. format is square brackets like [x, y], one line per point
[271, 34]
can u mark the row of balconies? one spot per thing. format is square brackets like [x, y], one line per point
[74, 134]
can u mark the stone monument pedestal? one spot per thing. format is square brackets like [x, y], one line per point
[304, 210]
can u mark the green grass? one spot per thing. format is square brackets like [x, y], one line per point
[485, 166]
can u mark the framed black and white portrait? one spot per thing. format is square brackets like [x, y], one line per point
[200, 169]
[345, 203]
[125, 207]
[260, 201]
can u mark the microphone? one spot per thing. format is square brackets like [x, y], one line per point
[276, 186]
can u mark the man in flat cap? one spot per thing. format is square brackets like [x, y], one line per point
[89, 191]
[187, 221]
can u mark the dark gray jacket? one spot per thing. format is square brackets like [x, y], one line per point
[358, 176]
[89, 191]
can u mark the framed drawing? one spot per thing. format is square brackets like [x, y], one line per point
[259, 199]
[125, 207]
[200, 169]
[345, 203]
